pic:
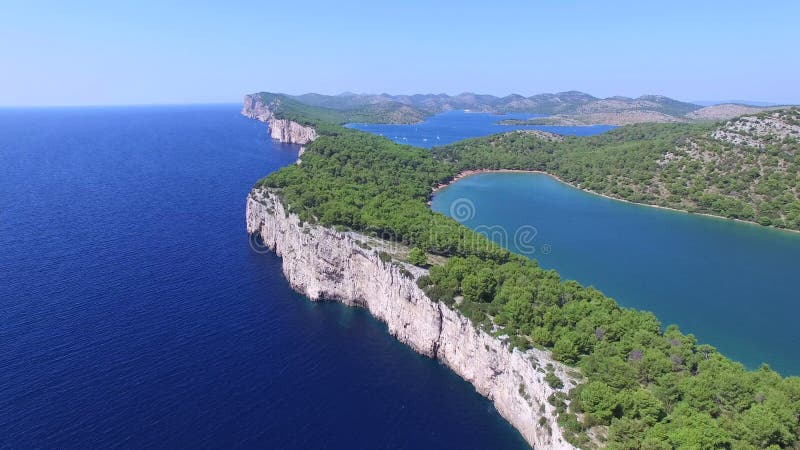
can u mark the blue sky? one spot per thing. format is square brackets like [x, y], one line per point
[119, 52]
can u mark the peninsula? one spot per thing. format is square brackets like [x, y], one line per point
[565, 365]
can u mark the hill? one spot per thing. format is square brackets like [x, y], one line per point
[727, 111]
[747, 168]
[572, 105]
[325, 111]
[563, 108]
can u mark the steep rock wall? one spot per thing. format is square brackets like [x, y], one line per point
[283, 130]
[326, 264]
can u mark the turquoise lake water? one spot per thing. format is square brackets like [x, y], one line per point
[731, 284]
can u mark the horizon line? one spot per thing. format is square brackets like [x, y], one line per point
[703, 103]
[116, 105]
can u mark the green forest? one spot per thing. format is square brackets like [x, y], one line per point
[672, 165]
[328, 119]
[648, 386]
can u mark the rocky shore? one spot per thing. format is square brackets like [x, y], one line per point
[283, 130]
[325, 264]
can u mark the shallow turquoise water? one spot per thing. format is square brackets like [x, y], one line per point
[731, 284]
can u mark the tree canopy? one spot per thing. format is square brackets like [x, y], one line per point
[679, 166]
[649, 386]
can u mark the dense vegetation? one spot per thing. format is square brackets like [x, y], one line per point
[648, 387]
[368, 183]
[654, 389]
[674, 165]
[326, 118]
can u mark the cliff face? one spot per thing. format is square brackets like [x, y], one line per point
[325, 264]
[281, 129]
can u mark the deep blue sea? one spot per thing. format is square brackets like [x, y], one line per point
[731, 284]
[452, 126]
[133, 312]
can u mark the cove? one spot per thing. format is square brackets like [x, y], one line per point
[731, 284]
[452, 126]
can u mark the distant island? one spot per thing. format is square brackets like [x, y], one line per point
[564, 108]
[567, 366]
[628, 113]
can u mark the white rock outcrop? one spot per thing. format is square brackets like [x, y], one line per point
[759, 131]
[325, 264]
[283, 130]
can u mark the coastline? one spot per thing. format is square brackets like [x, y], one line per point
[469, 173]
[329, 265]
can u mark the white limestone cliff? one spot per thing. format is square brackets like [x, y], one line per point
[283, 130]
[325, 264]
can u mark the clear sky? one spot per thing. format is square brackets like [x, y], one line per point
[120, 52]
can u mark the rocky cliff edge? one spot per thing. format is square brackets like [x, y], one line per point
[283, 130]
[325, 264]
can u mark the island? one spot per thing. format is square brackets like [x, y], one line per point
[630, 112]
[563, 108]
[565, 365]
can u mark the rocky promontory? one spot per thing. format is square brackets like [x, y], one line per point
[283, 130]
[325, 264]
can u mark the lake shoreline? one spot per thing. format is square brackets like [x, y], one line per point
[468, 173]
